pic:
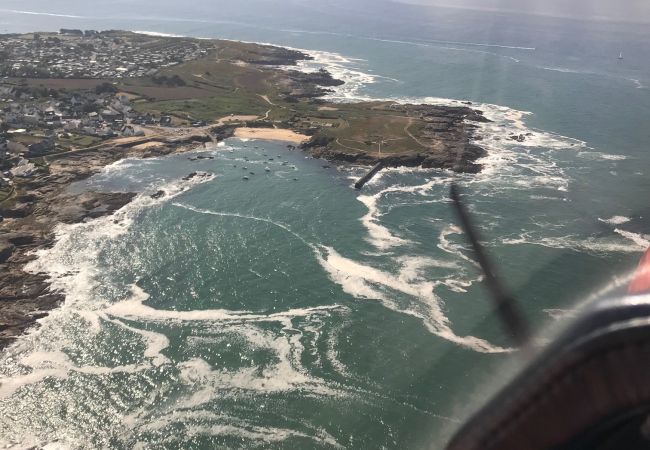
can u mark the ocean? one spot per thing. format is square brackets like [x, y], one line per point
[292, 311]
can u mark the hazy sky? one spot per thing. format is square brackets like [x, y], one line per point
[637, 11]
[623, 10]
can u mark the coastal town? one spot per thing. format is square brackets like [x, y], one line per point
[36, 120]
[91, 54]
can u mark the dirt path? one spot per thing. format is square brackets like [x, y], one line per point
[266, 99]
[348, 147]
[407, 131]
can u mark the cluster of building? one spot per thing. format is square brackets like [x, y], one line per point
[31, 126]
[37, 121]
[92, 54]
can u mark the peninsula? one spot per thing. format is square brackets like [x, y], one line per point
[72, 102]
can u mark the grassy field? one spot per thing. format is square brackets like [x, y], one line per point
[213, 89]
[78, 141]
[359, 127]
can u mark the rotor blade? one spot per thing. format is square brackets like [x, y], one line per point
[506, 307]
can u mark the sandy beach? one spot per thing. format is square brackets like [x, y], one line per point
[272, 134]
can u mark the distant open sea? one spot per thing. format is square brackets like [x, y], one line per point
[292, 311]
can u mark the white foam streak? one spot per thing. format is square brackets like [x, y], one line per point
[158, 34]
[243, 216]
[365, 281]
[36, 13]
[356, 279]
[446, 47]
[379, 235]
[134, 308]
[641, 241]
[635, 243]
[616, 220]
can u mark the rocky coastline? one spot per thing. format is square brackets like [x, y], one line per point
[452, 128]
[28, 220]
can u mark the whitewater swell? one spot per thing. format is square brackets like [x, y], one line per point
[51, 353]
[365, 281]
[105, 335]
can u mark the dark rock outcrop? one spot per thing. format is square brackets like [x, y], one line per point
[6, 250]
[448, 130]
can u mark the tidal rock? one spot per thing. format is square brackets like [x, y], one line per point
[6, 250]
[19, 238]
[19, 210]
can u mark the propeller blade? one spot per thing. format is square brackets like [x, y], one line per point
[506, 306]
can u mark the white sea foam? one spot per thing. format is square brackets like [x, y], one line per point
[358, 280]
[601, 156]
[638, 84]
[71, 268]
[445, 244]
[201, 422]
[642, 241]
[616, 220]
[245, 430]
[243, 216]
[158, 34]
[566, 70]
[479, 44]
[415, 42]
[36, 13]
[134, 308]
[633, 242]
[379, 235]
[437, 44]
[365, 281]
[558, 313]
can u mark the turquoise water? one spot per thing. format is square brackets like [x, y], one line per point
[291, 311]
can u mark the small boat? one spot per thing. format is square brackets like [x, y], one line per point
[267, 169]
[620, 55]
[252, 173]
[245, 178]
[244, 168]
